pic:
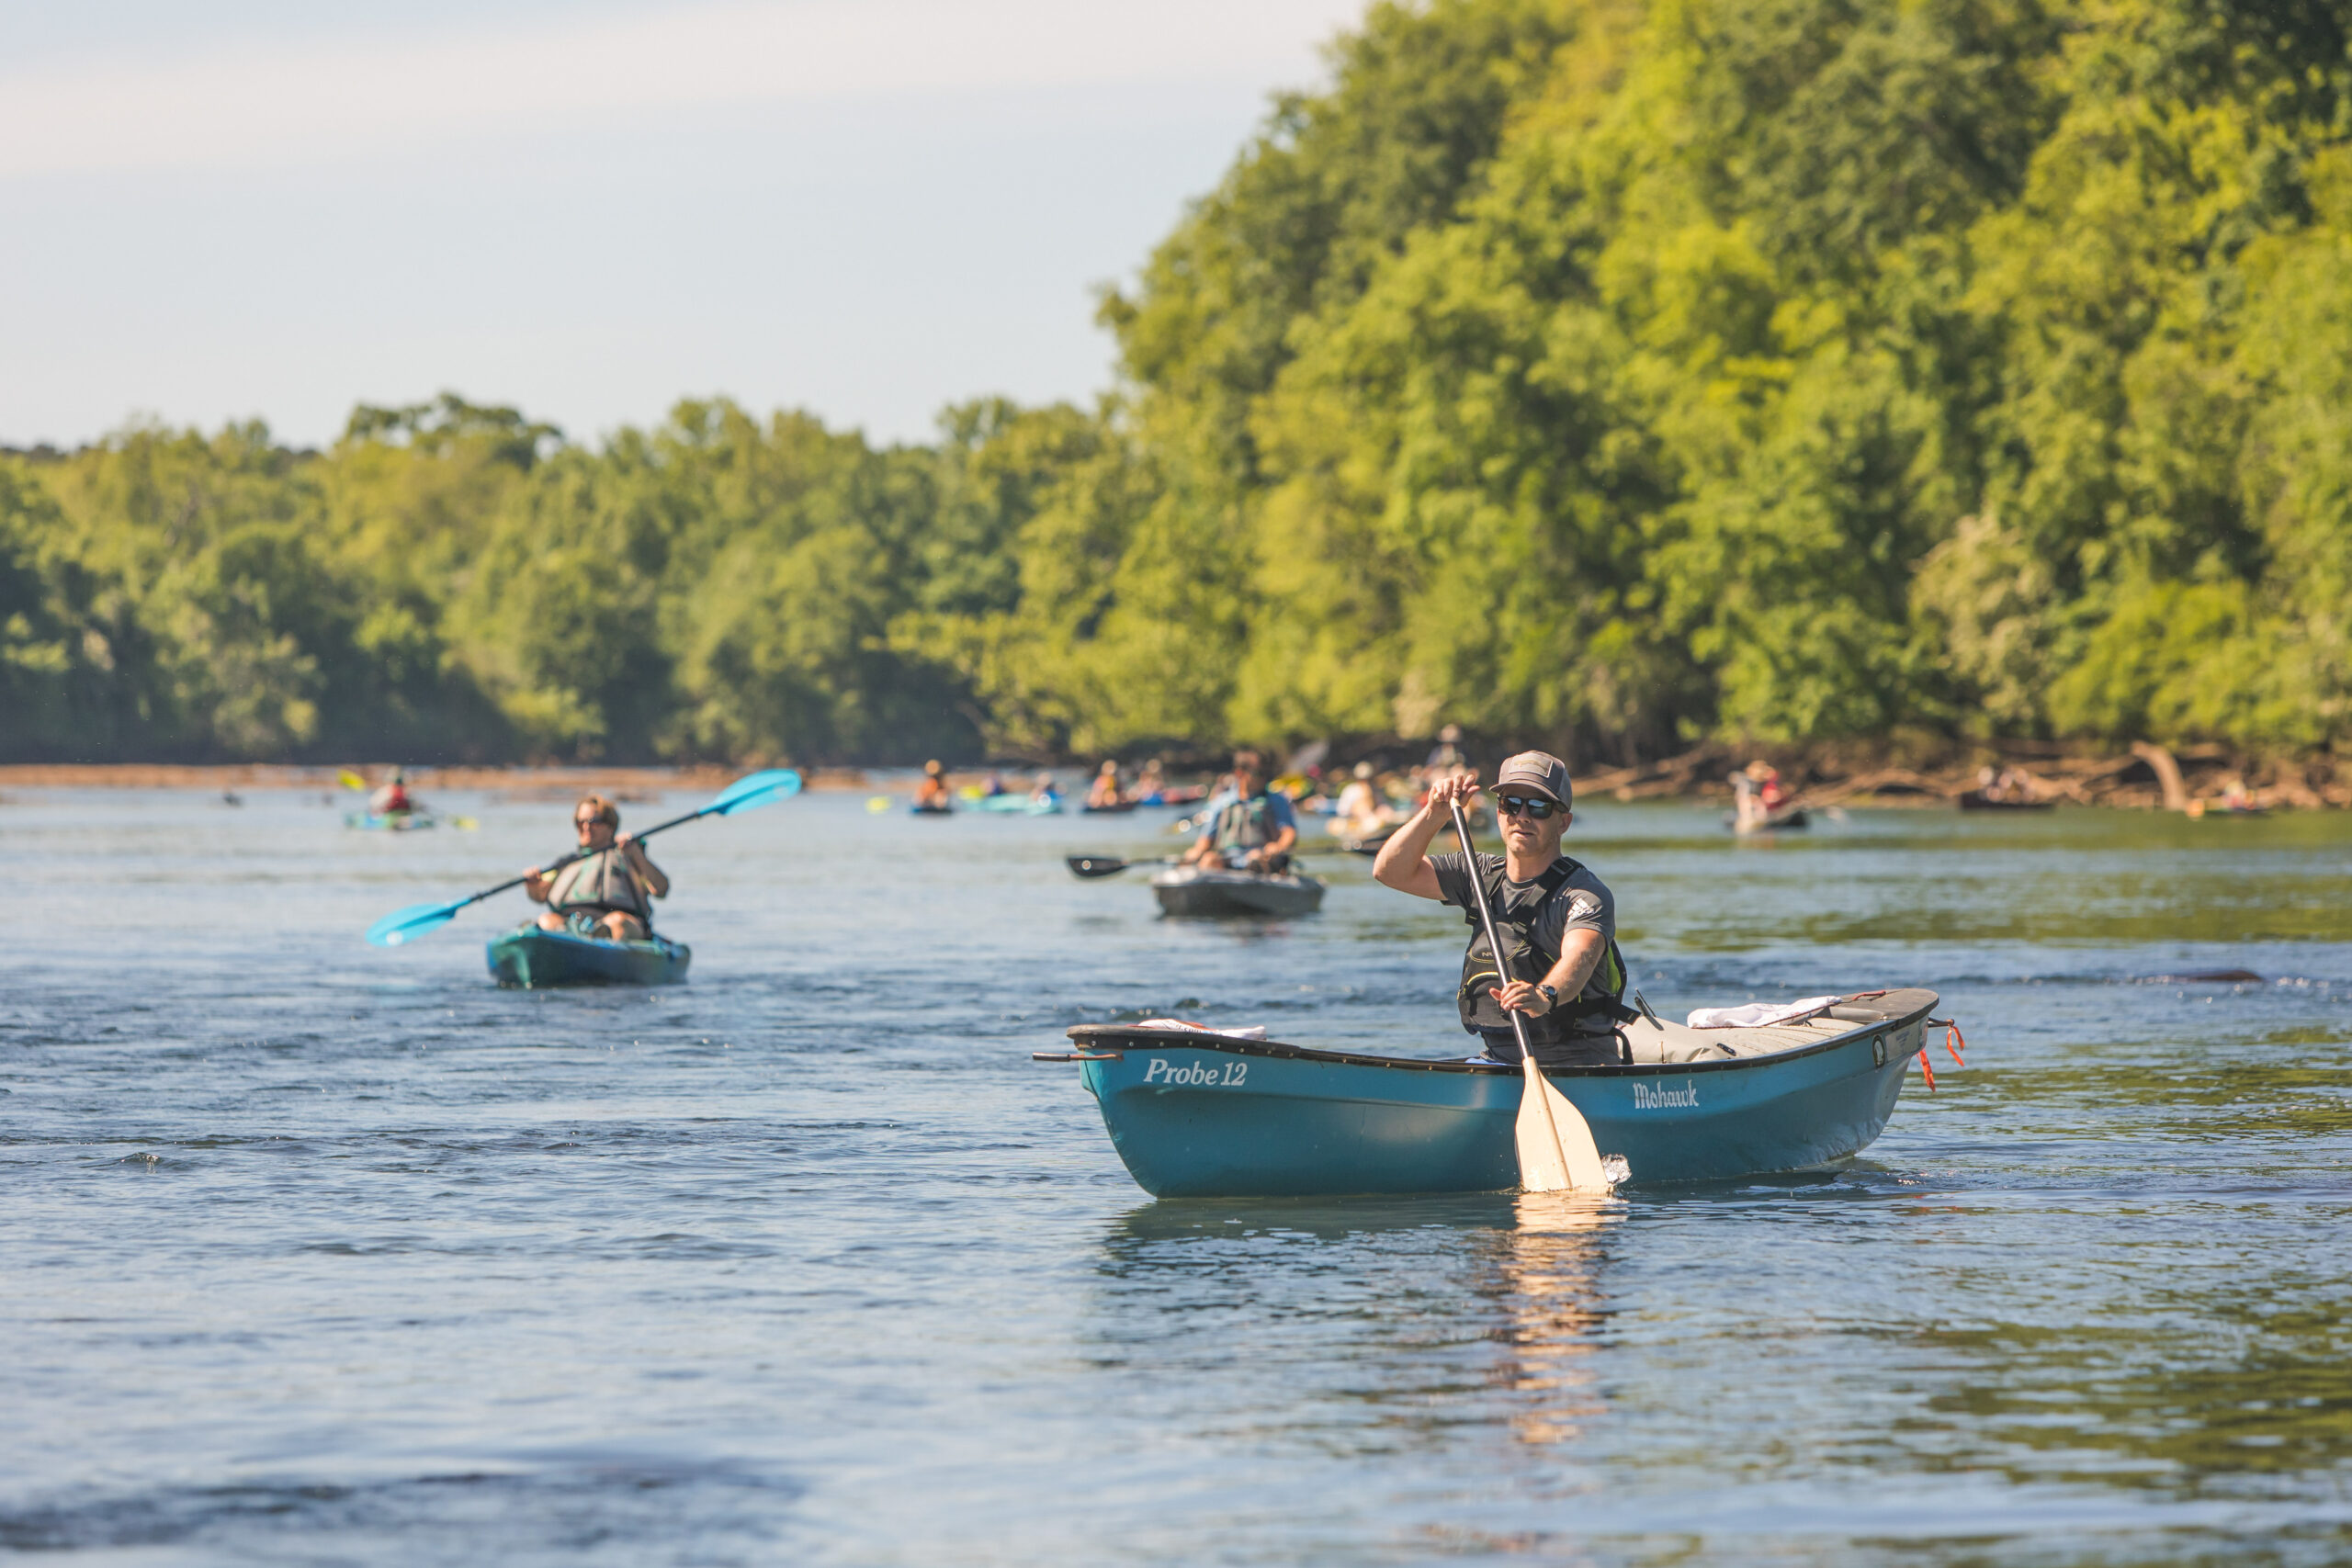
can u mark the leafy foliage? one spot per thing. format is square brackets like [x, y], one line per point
[1608, 372]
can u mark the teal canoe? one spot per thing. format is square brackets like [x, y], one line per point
[1201, 1115]
[534, 959]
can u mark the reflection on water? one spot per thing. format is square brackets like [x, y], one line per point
[318, 1254]
[1547, 1281]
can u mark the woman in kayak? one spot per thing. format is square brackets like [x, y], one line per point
[930, 795]
[603, 893]
[1104, 795]
[1245, 826]
[1359, 811]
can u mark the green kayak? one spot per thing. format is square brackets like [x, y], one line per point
[535, 959]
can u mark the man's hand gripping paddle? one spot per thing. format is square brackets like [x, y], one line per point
[1556, 1152]
[753, 789]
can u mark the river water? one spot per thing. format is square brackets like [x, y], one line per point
[317, 1254]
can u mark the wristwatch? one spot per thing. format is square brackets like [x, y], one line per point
[1550, 996]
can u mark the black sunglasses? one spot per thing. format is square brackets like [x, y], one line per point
[1527, 806]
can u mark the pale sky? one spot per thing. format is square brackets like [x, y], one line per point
[868, 208]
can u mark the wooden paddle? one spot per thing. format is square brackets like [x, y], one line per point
[751, 790]
[1556, 1152]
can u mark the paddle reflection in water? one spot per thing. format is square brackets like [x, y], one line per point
[1372, 1327]
[1548, 1280]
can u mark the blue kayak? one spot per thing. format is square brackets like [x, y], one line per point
[391, 822]
[1019, 805]
[1201, 1115]
[535, 959]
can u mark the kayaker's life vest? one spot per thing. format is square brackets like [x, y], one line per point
[1243, 825]
[600, 883]
[1597, 1011]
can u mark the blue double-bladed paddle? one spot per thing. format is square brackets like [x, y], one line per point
[751, 790]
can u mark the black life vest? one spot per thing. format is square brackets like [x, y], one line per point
[1599, 1009]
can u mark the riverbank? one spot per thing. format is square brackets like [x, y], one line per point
[2144, 778]
[235, 777]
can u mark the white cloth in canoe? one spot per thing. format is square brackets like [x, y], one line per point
[1758, 1015]
[1665, 1041]
[1255, 1030]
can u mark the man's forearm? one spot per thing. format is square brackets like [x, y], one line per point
[1567, 978]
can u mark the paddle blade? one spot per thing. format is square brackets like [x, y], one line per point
[350, 780]
[1556, 1152]
[407, 925]
[1094, 865]
[755, 789]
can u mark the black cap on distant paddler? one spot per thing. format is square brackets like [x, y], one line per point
[1537, 770]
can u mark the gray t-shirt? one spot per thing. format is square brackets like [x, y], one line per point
[1581, 903]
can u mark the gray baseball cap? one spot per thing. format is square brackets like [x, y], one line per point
[1537, 770]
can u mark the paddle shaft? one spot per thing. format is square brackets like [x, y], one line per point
[1487, 923]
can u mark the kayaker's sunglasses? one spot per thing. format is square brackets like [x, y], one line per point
[585, 822]
[1535, 807]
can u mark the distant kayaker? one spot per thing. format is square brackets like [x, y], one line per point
[1246, 826]
[393, 800]
[1104, 795]
[1360, 812]
[1557, 920]
[931, 794]
[1447, 760]
[605, 892]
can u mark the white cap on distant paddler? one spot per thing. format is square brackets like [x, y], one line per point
[1537, 770]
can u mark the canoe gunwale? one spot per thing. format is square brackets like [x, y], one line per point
[1103, 1037]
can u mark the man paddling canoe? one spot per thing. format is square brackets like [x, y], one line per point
[1246, 827]
[604, 891]
[1557, 920]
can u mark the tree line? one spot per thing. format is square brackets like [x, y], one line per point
[1613, 373]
